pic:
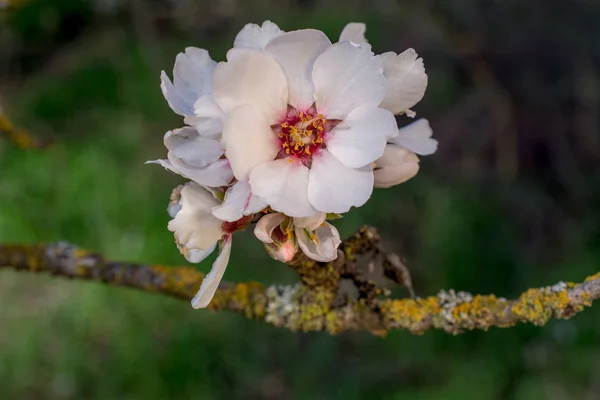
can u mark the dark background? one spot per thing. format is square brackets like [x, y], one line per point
[511, 200]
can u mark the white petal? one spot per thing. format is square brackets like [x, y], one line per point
[354, 32]
[175, 101]
[248, 140]
[283, 185]
[345, 77]
[323, 245]
[216, 174]
[208, 117]
[265, 226]
[361, 137]
[416, 137]
[395, 167]
[255, 37]
[194, 225]
[238, 202]
[250, 77]
[195, 256]
[333, 187]
[406, 80]
[310, 223]
[296, 52]
[194, 150]
[192, 73]
[192, 78]
[213, 278]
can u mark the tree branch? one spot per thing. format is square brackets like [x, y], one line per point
[19, 137]
[318, 303]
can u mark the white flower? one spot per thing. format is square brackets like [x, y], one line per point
[290, 123]
[318, 239]
[302, 121]
[198, 232]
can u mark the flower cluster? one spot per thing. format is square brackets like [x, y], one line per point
[289, 132]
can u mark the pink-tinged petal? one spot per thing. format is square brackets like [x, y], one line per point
[239, 201]
[406, 80]
[265, 226]
[211, 281]
[192, 78]
[333, 187]
[361, 137]
[354, 32]
[208, 117]
[248, 140]
[194, 225]
[310, 223]
[416, 137]
[395, 167]
[283, 185]
[193, 149]
[250, 77]
[320, 245]
[256, 37]
[345, 77]
[296, 52]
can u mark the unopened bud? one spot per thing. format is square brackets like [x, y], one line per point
[275, 231]
[283, 252]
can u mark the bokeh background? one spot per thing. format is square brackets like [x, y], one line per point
[510, 201]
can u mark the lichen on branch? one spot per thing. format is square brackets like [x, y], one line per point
[318, 302]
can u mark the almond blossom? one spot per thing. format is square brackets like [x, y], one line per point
[198, 233]
[289, 128]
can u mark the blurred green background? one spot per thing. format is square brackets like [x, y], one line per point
[510, 201]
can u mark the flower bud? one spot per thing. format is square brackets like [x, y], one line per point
[397, 165]
[284, 251]
[274, 230]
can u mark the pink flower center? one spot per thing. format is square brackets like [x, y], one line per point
[301, 134]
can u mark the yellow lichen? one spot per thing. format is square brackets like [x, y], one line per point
[539, 305]
[246, 298]
[593, 277]
[409, 313]
[311, 306]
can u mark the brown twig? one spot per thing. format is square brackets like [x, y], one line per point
[311, 306]
[19, 137]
